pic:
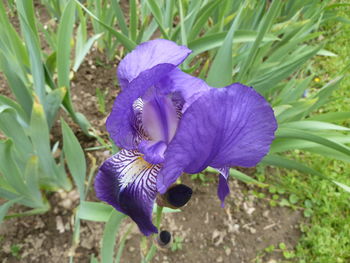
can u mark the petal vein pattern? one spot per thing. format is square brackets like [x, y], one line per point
[128, 183]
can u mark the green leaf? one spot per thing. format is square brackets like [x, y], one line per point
[54, 100]
[169, 12]
[295, 111]
[93, 259]
[14, 42]
[7, 102]
[324, 93]
[31, 175]
[238, 175]
[13, 127]
[40, 137]
[5, 207]
[110, 235]
[9, 169]
[264, 26]
[245, 178]
[313, 126]
[94, 211]
[216, 40]
[343, 186]
[165, 210]
[127, 43]
[331, 116]
[27, 10]
[75, 158]
[65, 31]
[269, 79]
[220, 72]
[293, 199]
[35, 211]
[202, 18]
[17, 85]
[122, 244]
[303, 135]
[27, 19]
[287, 144]
[182, 24]
[133, 19]
[79, 57]
[120, 17]
[279, 161]
[157, 13]
[326, 53]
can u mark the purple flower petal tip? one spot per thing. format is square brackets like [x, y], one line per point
[148, 55]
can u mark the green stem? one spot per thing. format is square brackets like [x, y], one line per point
[122, 244]
[159, 216]
[153, 248]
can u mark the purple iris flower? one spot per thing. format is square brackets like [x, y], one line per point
[168, 122]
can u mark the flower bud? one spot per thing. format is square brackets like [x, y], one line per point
[164, 239]
[176, 196]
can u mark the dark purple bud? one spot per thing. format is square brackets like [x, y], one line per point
[178, 195]
[164, 238]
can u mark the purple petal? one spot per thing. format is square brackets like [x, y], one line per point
[159, 118]
[121, 123]
[148, 55]
[232, 126]
[223, 188]
[153, 151]
[128, 183]
[190, 88]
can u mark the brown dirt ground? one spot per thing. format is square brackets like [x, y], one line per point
[237, 233]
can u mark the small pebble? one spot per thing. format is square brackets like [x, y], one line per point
[67, 204]
[219, 259]
[266, 214]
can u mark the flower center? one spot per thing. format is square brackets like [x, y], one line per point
[160, 121]
[159, 118]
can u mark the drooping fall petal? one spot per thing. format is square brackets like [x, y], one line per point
[232, 126]
[128, 183]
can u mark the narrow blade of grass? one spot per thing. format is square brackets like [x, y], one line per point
[133, 20]
[279, 161]
[220, 73]
[127, 43]
[263, 29]
[110, 235]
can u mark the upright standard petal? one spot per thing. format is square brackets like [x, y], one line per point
[148, 55]
[128, 183]
[190, 88]
[121, 123]
[232, 126]
[160, 118]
